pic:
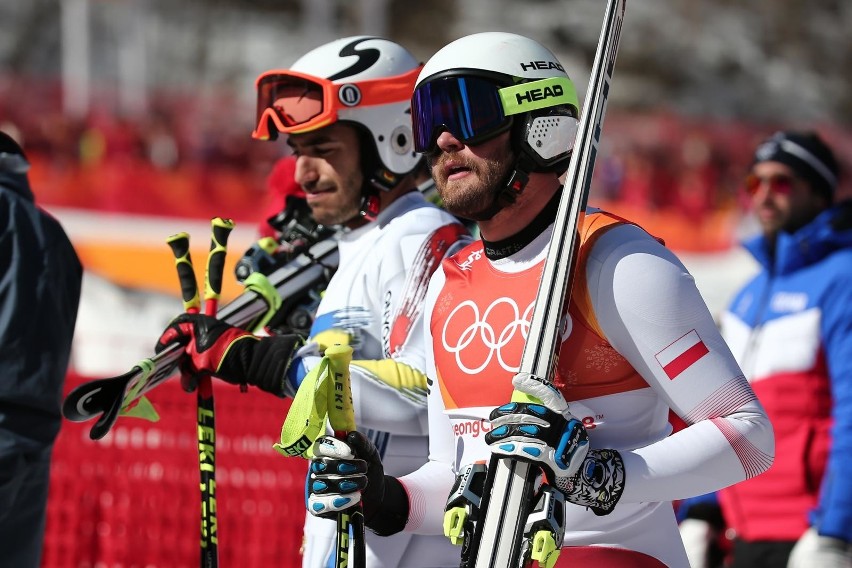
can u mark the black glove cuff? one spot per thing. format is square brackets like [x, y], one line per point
[234, 366]
[392, 514]
[599, 483]
[262, 363]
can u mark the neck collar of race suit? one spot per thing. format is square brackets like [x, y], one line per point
[495, 250]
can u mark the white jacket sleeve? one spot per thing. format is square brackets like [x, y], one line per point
[429, 486]
[652, 314]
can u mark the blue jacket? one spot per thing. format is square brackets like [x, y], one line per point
[40, 280]
[791, 331]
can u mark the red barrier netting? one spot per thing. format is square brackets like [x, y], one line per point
[132, 499]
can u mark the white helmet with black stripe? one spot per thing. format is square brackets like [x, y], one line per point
[361, 80]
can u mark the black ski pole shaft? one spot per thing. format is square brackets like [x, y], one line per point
[179, 244]
[220, 230]
[508, 497]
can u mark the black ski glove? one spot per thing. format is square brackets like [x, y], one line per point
[343, 473]
[232, 354]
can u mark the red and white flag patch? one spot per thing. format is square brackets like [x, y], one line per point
[682, 354]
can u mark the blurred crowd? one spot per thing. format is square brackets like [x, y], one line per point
[193, 157]
[184, 157]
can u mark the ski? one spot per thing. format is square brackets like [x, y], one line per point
[508, 498]
[107, 398]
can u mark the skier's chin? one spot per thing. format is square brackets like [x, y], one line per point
[468, 198]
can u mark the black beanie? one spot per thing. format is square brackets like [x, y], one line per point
[806, 154]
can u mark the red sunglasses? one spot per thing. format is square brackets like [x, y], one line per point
[778, 183]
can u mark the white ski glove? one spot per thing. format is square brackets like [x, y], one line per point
[549, 435]
[816, 551]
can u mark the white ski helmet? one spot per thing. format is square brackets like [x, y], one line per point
[484, 84]
[363, 80]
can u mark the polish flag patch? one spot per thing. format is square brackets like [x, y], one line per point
[682, 354]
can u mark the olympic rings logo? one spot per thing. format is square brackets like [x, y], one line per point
[481, 334]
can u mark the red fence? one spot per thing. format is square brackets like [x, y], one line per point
[132, 500]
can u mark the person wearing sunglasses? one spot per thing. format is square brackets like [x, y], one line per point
[495, 114]
[344, 110]
[790, 328]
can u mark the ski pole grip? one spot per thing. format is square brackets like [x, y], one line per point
[220, 230]
[179, 243]
[518, 396]
[341, 412]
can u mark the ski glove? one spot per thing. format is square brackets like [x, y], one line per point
[343, 473]
[549, 435]
[232, 354]
[599, 483]
[546, 433]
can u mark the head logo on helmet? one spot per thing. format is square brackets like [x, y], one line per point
[542, 65]
[364, 81]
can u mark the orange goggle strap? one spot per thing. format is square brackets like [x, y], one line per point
[373, 92]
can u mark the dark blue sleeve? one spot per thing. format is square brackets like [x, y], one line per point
[833, 516]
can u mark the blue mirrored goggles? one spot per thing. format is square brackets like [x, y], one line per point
[474, 109]
[468, 107]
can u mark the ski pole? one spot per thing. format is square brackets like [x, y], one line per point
[341, 417]
[220, 230]
[111, 397]
[509, 488]
[179, 244]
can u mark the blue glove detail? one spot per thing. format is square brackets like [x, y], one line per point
[532, 432]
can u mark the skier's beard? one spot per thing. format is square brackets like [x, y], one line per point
[474, 196]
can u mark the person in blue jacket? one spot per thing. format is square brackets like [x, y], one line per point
[790, 329]
[40, 281]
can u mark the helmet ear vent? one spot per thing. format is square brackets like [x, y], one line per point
[548, 138]
[540, 129]
[401, 140]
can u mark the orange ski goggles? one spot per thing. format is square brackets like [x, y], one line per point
[293, 102]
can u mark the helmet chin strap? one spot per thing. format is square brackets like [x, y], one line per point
[371, 201]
